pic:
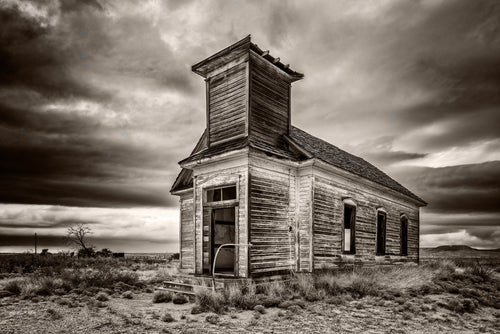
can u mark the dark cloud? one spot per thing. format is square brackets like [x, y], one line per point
[98, 103]
[385, 158]
[49, 240]
[34, 55]
[456, 189]
[45, 224]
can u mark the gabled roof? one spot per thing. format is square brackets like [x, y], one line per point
[243, 45]
[301, 146]
[334, 156]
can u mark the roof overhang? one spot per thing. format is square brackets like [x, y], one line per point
[203, 67]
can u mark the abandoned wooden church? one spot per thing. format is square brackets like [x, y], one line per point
[279, 198]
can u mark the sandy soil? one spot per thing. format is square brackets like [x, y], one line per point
[83, 314]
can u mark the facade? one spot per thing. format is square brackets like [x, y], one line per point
[253, 178]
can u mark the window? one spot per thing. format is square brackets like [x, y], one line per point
[349, 229]
[381, 224]
[221, 194]
[404, 236]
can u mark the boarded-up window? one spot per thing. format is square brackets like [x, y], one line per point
[349, 229]
[381, 224]
[404, 236]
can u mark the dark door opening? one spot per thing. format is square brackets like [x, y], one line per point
[381, 219]
[223, 232]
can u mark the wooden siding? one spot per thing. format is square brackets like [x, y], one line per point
[273, 244]
[227, 101]
[304, 220]
[269, 101]
[328, 221]
[187, 232]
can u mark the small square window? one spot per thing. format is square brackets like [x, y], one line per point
[228, 193]
[214, 195]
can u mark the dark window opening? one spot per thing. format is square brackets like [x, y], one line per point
[349, 229]
[381, 224]
[404, 236]
[221, 194]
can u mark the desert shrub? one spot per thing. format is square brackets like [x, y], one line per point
[294, 309]
[121, 286]
[260, 309]
[102, 297]
[128, 295]
[167, 317]
[454, 305]
[53, 314]
[328, 283]
[242, 296]
[305, 285]
[270, 301]
[180, 299]
[469, 305]
[162, 297]
[196, 310]
[484, 273]
[288, 303]
[209, 300]
[363, 286]
[212, 318]
[13, 287]
[335, 300]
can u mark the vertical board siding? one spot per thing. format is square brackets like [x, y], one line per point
[273, 244]
[227, 104]
[328, 221]
[187, 232]
[269, 114]
[304, 221]
[327, 230]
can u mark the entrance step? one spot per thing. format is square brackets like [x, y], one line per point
[187, 289]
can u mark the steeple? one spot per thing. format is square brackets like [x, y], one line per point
[248, 94]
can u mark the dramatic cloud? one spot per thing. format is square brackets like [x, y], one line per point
[98, 103]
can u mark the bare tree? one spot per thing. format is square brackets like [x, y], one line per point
[78, 235]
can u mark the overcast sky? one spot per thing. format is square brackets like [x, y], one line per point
[98, 104]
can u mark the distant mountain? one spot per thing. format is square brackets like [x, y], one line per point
[454, 248]
[462, 251]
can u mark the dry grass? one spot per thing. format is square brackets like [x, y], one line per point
[473, 286]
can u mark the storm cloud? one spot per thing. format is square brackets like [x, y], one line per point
[98, 103]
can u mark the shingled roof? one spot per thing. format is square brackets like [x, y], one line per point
[313, 146]
[334, 156]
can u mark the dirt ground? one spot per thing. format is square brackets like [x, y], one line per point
[82, 314]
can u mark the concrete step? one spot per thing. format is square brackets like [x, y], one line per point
[179, 286]
[174, 291]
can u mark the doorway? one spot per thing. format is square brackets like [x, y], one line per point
[223, 232]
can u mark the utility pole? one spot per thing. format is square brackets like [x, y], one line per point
[35, 243]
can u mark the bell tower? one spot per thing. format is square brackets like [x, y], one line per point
[248, 94]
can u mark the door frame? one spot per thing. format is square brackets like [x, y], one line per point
[212, 247]
[211, 208]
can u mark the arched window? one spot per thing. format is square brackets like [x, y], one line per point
[381, 231]
[404, 235]
[349, 227]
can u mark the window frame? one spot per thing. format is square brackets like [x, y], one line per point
[351, 204]
[402, 218]
[380, 212]
[221, 202]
